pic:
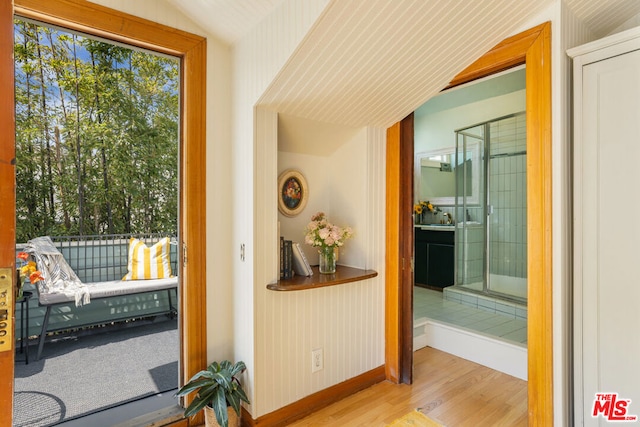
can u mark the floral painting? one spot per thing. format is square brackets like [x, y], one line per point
[293, 193]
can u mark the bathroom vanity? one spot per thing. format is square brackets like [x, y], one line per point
[434, 255]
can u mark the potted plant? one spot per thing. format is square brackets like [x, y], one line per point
[218, 392]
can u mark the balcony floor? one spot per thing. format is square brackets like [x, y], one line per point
[82, 373]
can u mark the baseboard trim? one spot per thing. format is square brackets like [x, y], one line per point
[316, 401]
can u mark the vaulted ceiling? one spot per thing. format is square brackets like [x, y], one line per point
[370, 62]
[227, 19]
[232, 19]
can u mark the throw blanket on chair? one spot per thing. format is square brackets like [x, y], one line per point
[58, 276]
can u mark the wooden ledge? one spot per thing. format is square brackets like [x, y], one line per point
[342, 275]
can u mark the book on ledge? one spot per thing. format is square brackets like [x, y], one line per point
[288, 259]
[300, 264]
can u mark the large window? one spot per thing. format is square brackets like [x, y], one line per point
[90, 18]
[96, 135]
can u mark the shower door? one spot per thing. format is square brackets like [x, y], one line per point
[470, 210]
[491, 239]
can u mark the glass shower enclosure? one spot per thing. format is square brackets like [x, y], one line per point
[491, 208]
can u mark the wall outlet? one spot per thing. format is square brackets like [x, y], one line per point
[317, 362]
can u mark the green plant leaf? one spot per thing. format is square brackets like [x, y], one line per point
[195, 407]
[213, 367]
[238, 368]
[233, 400]
[217, 387]
[201, 374]
[192, 386]
[240, 392]
[222, 376]
[219, 405]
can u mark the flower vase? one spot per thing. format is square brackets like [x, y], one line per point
[328, 255]
[424, 220]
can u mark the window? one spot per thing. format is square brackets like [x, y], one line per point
[96, 135]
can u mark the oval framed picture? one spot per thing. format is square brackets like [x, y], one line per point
[293, 192]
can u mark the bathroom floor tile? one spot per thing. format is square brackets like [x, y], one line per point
[432, 305]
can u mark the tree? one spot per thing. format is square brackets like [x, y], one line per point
[96, 136]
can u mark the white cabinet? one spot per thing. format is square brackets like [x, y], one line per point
[607, 227]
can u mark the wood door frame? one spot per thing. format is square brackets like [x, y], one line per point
[101, 21]
[7, 193]
[533, 48]
[399, 217]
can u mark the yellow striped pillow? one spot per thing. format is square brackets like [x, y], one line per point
[148, 262]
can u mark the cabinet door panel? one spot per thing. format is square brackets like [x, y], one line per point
[420, 263]
[609, 172]
[440, 265]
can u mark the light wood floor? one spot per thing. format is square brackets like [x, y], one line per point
[450, 390]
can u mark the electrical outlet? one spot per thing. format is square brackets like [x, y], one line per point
[316, 360]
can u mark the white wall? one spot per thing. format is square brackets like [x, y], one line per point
[257, 58]
[632, 22]
[572, 33]
[346, 321]
[338, 187]
[436, 130]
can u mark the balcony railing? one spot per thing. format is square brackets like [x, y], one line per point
[96, 259]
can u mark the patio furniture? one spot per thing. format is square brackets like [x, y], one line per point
[24, 318]
[101, 262]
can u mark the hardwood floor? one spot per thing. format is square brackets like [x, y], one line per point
[448, 389]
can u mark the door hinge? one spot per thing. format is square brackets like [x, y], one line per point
[184, 254]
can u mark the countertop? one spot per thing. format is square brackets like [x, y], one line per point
[447, 227]
[436, 227]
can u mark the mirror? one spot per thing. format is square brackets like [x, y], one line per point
[436, 172]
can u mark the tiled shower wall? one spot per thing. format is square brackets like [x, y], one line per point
[508, 196]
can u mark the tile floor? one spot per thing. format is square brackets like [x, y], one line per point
[487, 303]
[431, 304]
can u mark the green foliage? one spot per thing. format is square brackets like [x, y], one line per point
[96, 136]
[217, 387]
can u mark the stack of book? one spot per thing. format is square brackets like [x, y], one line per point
[293, 260]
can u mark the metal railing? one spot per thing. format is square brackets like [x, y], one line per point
[101, 258]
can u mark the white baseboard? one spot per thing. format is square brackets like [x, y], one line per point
[419, 333]
[496, 354]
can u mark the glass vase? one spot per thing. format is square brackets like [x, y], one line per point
[328, 255]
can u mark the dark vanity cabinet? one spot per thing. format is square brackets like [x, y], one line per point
[434, 258]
